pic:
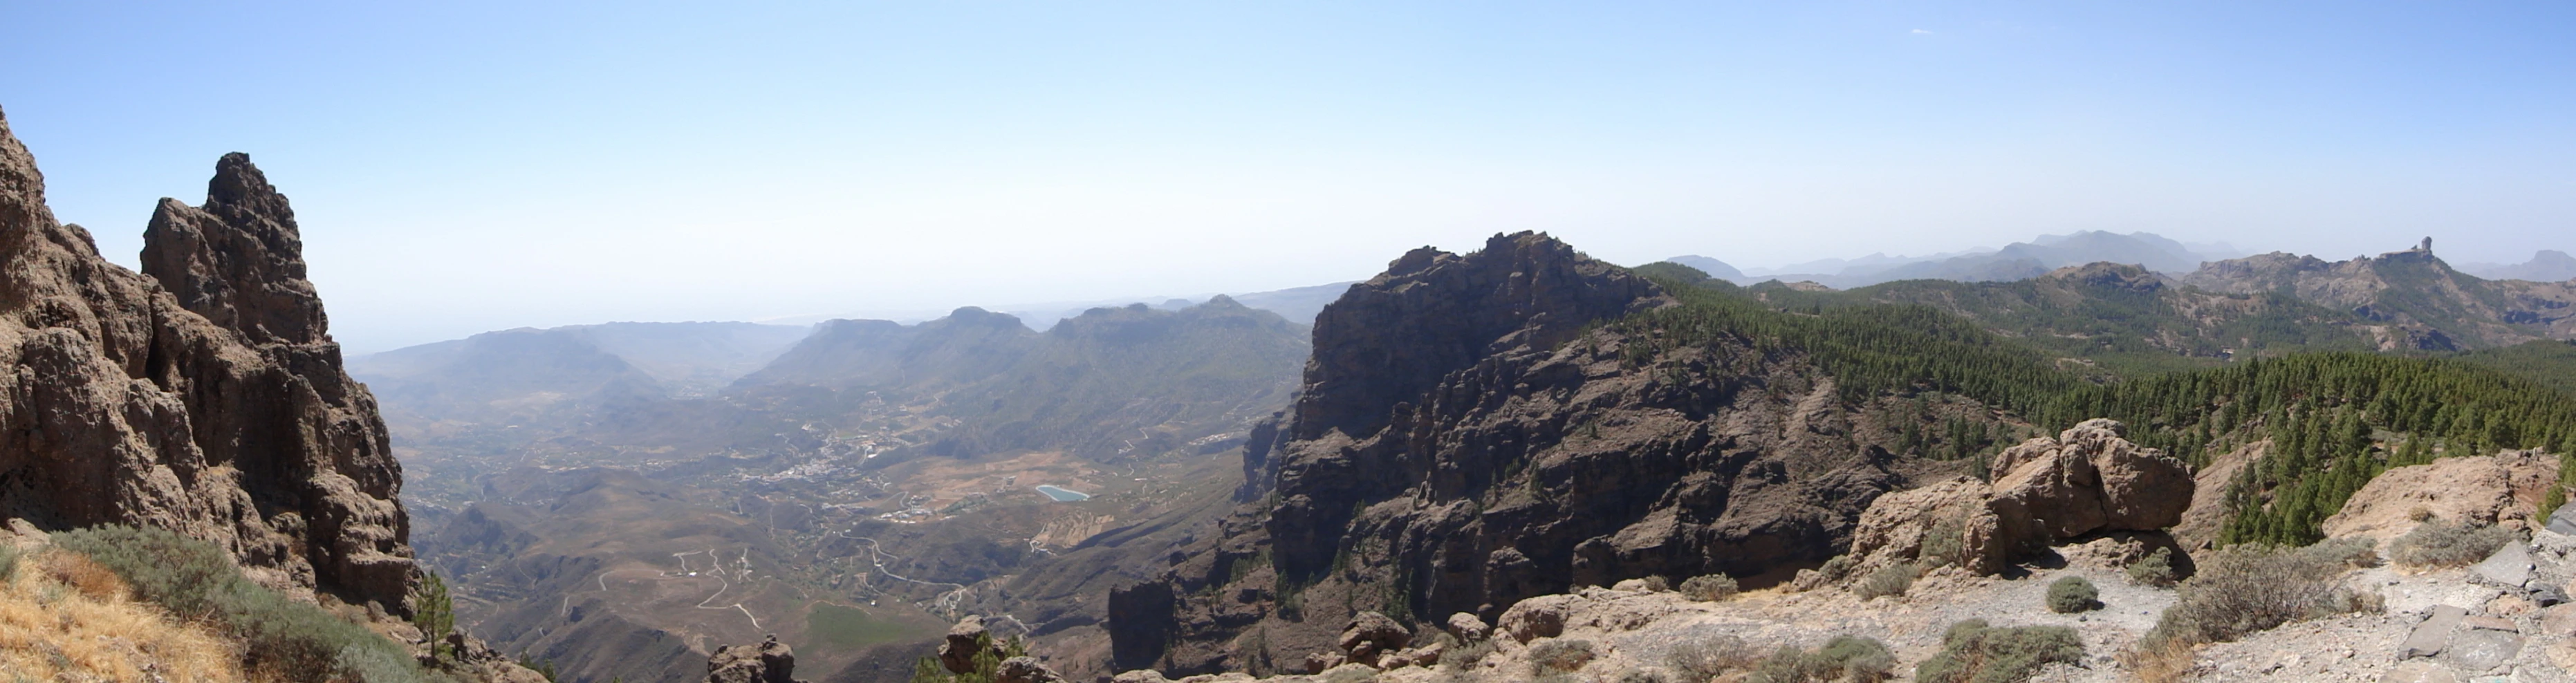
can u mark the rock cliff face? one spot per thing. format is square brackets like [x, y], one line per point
[204, 395]
[1467, 437]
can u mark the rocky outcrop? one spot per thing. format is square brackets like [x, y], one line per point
[2411, 299]
[1383, 349]
[2088, 480]
[1390, 339]
[2504, 489]
[966, 639]
[203, 395]
[768, 662]
[1372, 635]
[1469, 435]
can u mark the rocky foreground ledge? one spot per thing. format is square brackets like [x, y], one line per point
[2437, 572]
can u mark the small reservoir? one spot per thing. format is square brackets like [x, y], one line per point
[1062, 495]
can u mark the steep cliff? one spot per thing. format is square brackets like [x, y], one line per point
[1478, 429]
[203, 395]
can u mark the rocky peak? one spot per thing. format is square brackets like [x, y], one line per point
[1431, 313]
[2106, 275]
[238, 260]
[210, 403]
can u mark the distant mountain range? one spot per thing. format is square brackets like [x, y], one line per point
[541, 459]
[2016, 261]
[2548, 265]
[1298, 304]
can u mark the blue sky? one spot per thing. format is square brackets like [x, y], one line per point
[476, 166]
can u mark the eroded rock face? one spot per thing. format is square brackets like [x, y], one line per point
[2087, 480]
[203, 396]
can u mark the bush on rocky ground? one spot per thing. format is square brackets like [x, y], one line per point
[2438, 543]
[2353, 551]
[1973, 652]
[1946, 543]
[2246, 588]
[1844, 658]
[2156, 569]
[1892, 579]
[1710, 588]
[1708, 659]
[2073, 594]
[1559, 656]
[1467, 656]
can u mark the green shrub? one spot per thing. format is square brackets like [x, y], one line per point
[2156, 569]
[282, 638]
[2352, 551]
[1972, 652]
[1946, 543]
[1707, 659]
[2439, 543]
[1710, 588]
[1844, 658]
[2072, 594]
[2241, 589]
[1893, 579]
[1559, 655]
[8, 562]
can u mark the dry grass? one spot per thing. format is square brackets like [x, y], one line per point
[76, 571]
[72, 619]
[2168, 662]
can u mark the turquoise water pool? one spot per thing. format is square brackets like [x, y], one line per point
[1062, 495]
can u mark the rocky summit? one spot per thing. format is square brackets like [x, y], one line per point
[203, 395]
[1470, 434]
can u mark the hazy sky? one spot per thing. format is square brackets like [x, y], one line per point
[474, 166]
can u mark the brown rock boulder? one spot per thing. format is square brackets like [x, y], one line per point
[2088, 480]
[1535, 618]
[769, 662]
[2503, 489]
[1468, 627]
[1899, 526]
[1319, 662]
[1376, 633]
